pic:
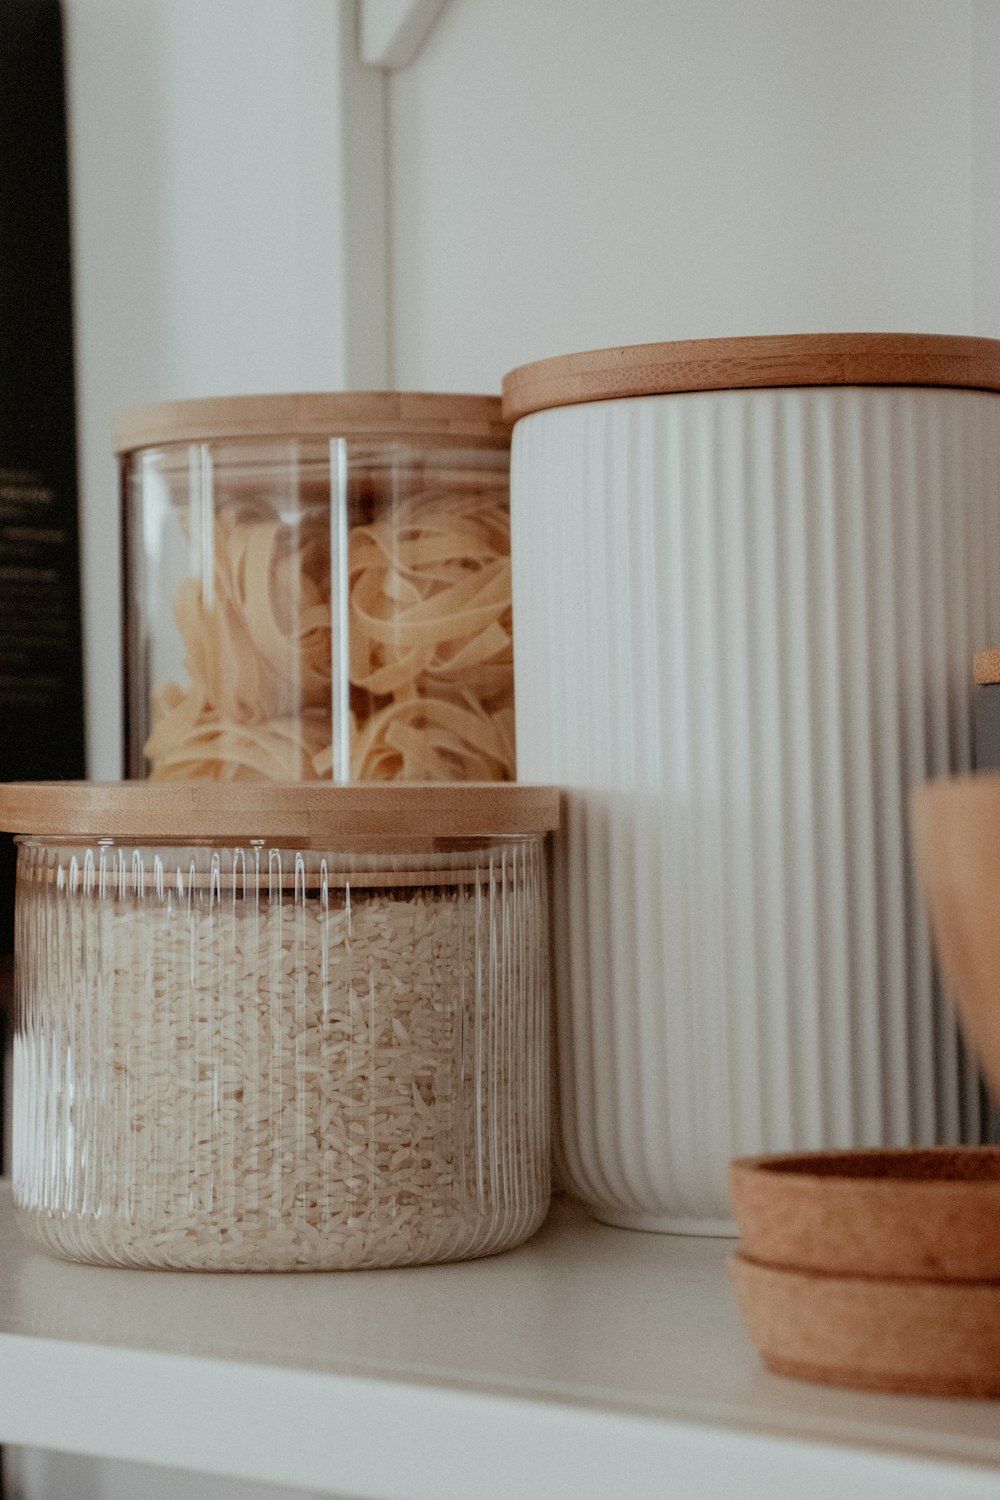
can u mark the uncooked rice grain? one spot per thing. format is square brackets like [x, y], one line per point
[221, 1068]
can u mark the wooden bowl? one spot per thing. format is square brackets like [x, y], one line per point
[956, 827]
[932, 1214]
[922, 1337]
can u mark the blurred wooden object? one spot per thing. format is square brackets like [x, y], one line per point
[956, 827]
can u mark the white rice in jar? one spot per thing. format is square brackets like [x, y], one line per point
[268, 1059]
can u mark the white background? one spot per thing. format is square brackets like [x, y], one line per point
[255, 211]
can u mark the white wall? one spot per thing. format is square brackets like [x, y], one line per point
[571, 175]
[986, 166]
[216, 150]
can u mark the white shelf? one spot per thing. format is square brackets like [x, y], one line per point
[592, 1362]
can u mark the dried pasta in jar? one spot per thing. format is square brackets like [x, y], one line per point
[319, 589]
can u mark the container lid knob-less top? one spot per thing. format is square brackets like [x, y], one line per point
[423, 418]
[303, 812]
[806, 359]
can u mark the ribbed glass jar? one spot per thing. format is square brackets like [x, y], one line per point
[245, 1056]
[318, 587]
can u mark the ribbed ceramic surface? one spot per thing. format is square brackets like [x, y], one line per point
[257, 1059]
[745, 623]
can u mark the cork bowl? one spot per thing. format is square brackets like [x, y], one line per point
[930, 1338]
[881, 1269]
[920, 1214]
[956, 828]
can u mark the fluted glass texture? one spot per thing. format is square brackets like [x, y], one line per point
[267, 1059]
[745, 623]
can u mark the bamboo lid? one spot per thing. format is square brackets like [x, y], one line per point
[424, 417]
[986, 666]
[738, 364]
[307, 812]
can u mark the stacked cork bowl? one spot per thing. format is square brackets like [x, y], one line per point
[876, 1269]
[881, 1269]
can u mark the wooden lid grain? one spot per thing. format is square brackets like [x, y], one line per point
[424, 417]
[308, 812]
[737, 364]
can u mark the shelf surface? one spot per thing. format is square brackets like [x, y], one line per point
[590, 1362]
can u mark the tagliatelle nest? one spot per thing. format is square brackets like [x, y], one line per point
[429, 649]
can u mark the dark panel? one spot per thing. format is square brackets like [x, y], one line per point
[41, 694]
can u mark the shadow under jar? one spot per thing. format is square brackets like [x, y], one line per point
[318, 587]
[319, 1044]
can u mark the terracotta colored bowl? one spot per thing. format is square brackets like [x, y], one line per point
[926, 1337]
[931, 1214]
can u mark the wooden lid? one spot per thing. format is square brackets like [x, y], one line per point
[737, 364]
[308, 812]
[424, 417]
[986, 666]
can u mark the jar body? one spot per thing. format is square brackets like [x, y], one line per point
[254, 1058]
[745, 621]
[318, 609]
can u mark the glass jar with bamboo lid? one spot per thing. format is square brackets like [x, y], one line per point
[318, 587]
[280, 1027]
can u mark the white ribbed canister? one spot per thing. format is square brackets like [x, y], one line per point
[744, 626]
